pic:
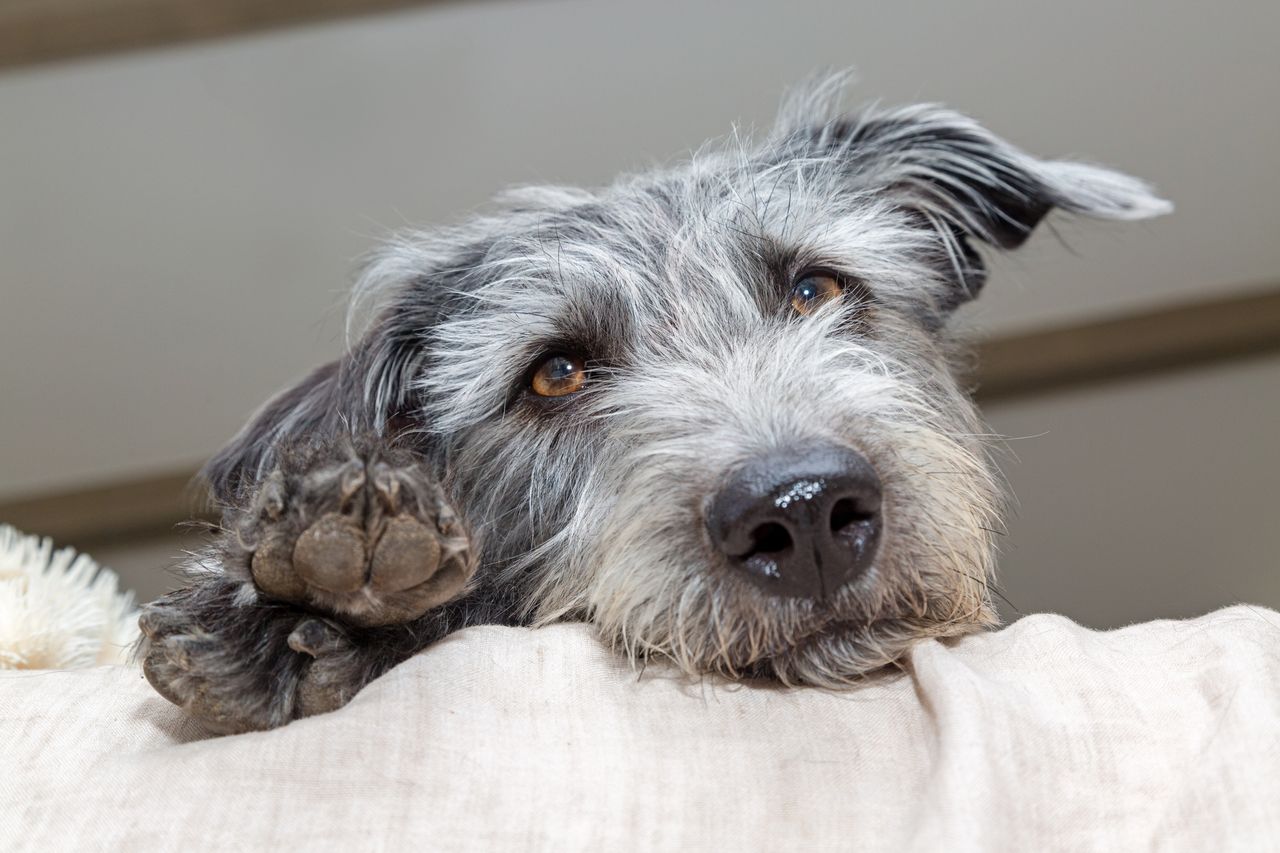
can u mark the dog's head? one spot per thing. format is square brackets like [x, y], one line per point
[714, 408]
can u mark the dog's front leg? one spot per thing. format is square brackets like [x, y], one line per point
[331, 570]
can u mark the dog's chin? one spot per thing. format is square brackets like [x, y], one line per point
[839, 652]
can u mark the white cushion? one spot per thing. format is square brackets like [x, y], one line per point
[1041, 736]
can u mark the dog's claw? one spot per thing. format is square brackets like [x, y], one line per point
[353, 479]
[314, 638]
[386, 483]
[156, 619]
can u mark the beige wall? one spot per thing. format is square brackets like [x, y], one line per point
[149, 567]
[1147, 499]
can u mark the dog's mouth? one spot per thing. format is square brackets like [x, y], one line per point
[863, 630]
[780, 662]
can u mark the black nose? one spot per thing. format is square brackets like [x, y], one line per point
[800, 524]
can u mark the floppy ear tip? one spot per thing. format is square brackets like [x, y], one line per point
[1102, 192]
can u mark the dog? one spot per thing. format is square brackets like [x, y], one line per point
[716, 410]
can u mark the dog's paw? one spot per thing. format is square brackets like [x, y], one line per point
[241, 668]
[364, 535]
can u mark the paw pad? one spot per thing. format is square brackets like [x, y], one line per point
[330, 554]
[368, 541]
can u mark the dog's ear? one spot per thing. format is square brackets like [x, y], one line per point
[366, 391]
[311, 406]
[404, 289]
[955, 177]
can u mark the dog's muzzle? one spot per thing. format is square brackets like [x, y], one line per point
[801, 523]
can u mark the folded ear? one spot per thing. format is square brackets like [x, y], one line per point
[308, 408]
[405, 288]
[367, 391]
[958, 178]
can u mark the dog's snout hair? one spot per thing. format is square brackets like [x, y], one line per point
[676, 293]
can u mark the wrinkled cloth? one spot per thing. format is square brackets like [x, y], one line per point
[1041, 736]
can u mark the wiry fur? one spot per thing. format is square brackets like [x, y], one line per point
[673, 284]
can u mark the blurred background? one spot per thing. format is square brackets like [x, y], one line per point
[186, 187]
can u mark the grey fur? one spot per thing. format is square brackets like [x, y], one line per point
[673, 283]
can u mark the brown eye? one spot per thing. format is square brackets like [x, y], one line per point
[559, 376]
[812, 290]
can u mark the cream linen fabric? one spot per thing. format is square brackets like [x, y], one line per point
[1042, 736]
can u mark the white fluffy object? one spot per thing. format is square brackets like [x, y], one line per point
[59, 610]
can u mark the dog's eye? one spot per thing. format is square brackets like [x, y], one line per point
[558, 376]
[812, 290]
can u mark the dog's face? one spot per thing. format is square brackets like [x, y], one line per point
[714, 409]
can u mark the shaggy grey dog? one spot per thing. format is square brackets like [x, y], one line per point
[714, 410]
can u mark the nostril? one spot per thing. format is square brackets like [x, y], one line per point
[848, 512]
[803, 523]
[769, 538]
